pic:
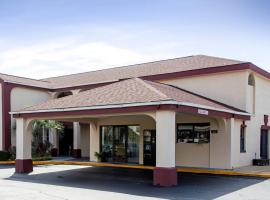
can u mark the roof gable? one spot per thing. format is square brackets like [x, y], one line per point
[128, 92]
[140, 70]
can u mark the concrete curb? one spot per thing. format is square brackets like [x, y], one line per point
[179, 169]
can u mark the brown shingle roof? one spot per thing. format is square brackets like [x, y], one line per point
[139, 70]
[25, 81]
[129, 91]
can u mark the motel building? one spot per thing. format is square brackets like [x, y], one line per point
[196, 111]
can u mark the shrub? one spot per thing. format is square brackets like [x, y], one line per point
[12, 151]
[44, 158]
[4, 155]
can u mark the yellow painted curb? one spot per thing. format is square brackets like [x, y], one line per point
[221, 172]
[92, 164]
[7, 162]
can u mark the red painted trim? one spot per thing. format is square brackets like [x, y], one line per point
[76, 153]
[6, 120]
[265, 119]
[243, 125]
[165, 177]
[88, 112]
[23, 165]
[259, 70]
[29, 86]
[185, 109]
[82, 87]
[196, 72]
[6, 108]
[243, 117]
[265, 127]
[194, 110]
[212, 113]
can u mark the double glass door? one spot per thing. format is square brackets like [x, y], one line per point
[120, 143]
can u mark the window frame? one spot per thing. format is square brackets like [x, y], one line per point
[243, 143]
[193, 135]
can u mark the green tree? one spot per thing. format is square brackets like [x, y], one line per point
[40, 147]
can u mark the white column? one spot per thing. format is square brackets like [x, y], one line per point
[76, 135]
[165, 139]
[44, 136]
[23, 140]
[23, 146]
[53, 137]
[141, 145]
[165, 172]
[232, 145]
[94, 140]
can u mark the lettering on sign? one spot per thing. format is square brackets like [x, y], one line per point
[203, 112]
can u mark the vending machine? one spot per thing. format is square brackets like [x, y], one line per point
[149, 147]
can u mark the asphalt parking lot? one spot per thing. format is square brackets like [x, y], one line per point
[81, 182]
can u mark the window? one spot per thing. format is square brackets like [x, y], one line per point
[251, 80]
[243, 138]
[193, 133]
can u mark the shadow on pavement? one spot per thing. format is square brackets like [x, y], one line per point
[7, 167]
[139, 182]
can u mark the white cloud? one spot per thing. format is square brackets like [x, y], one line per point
[64, 57]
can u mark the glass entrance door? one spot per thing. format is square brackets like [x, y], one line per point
[120, 144]
[264, 144]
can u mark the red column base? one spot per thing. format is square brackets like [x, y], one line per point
[54, 152]
[165, 177]
[23, 166]
[76, 153]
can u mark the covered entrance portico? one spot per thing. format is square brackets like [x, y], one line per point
[134, 107]
[164, 174]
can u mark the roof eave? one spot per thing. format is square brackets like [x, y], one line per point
[198, 109]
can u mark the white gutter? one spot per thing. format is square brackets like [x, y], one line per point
[167, 102]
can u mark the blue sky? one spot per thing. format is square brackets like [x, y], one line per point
[54, 37]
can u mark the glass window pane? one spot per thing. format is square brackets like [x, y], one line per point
[107, 142]
[133, 144]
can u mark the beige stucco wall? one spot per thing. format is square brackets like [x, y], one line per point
[262, 107]
[229, 88]
[257, 103]
[232, 88]
[1, 130]
[85, 140]
[23, 97]
[215, 154]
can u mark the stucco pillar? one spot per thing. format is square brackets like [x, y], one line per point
[53, 139]
[232, 146]
[76, 153]
[165, 172]
[23, 146]
[44, 135]
[94, 141]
